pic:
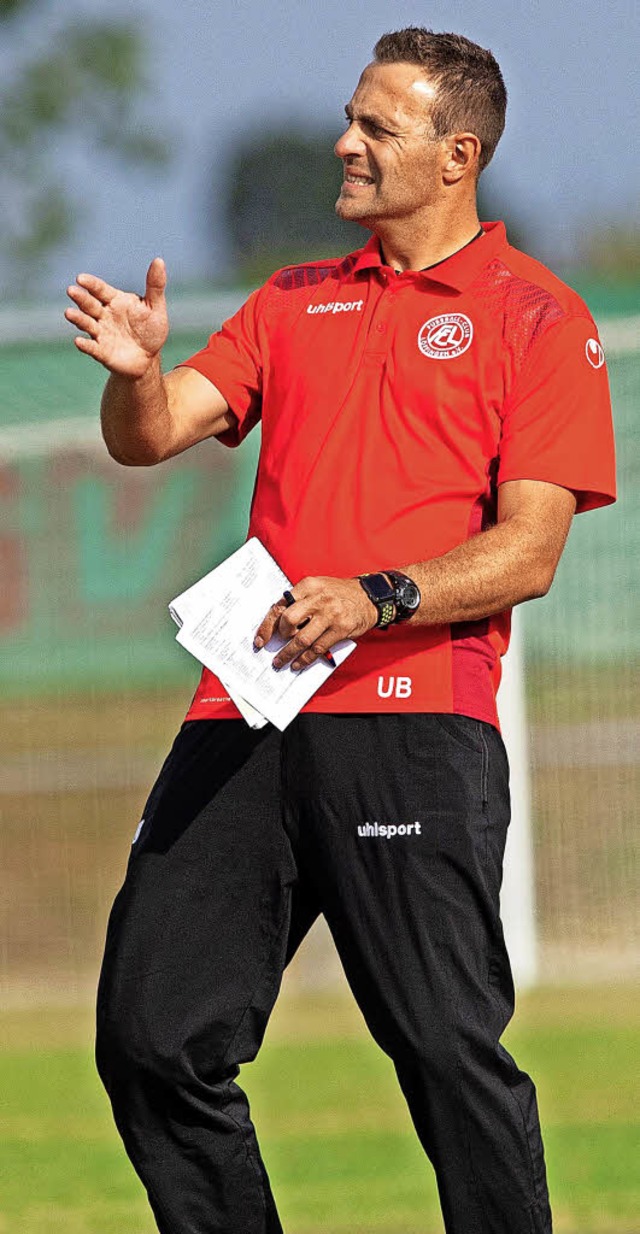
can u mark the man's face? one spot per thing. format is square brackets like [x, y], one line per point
[391, 161]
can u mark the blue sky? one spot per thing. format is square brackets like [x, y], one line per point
[568, 159]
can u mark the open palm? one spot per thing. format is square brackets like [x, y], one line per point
[123, 331]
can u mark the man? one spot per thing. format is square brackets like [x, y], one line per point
[434, 410]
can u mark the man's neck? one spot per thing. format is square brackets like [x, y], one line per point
[407, 247]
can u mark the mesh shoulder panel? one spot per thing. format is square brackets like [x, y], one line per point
[292, 278]
[526, 309]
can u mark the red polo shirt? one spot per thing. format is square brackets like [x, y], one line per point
[392, 406]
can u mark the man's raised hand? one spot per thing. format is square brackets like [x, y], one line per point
[125, 331]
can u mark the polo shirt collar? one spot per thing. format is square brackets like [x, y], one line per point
[457, 271]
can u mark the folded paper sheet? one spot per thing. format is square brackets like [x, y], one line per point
[218, 618]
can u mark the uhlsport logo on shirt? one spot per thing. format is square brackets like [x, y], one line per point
[387, 831]
[445, 337]
[336, 306]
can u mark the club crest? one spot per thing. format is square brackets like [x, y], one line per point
[445, 337]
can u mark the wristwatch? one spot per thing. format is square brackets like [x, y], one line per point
[406, 595]
[382, 593]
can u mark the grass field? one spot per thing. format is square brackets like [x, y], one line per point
[334, 1131]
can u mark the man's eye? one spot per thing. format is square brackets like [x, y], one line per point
[375, 130]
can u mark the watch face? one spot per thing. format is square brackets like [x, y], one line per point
[409, 595]
[377, 588]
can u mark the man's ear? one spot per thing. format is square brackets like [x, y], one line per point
[462, 157]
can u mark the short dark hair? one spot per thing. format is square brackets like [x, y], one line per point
[471, 93]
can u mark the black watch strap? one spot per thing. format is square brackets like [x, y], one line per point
[381, 593]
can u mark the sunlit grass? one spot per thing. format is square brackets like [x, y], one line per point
[334, 1131]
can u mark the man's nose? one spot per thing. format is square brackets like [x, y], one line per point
[349, 142]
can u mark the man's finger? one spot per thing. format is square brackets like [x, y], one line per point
[301, 642]
[82, 321]
[85, 300]
[284, 617]
[292, 618]
[321, 649]
[89, 347]
[102, 291]
[267, 627]
[156, 282]
[297, 614]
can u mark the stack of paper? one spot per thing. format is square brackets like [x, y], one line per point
[218, 618]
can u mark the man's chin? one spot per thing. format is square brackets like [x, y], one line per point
[351, 212]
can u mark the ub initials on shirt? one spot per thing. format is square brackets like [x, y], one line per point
[395, 687]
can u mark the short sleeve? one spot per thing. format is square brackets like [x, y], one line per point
[557, 424]
[232, 361]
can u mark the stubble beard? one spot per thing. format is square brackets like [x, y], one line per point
[371, 218]
[351, 211]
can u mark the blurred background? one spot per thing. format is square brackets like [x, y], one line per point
[204, 133]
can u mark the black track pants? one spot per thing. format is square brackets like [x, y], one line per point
[394, 828]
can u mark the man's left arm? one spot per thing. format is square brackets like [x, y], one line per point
[513, 561]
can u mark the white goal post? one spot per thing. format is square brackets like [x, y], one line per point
[518, 888]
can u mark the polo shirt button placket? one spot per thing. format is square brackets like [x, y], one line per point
[377, 345]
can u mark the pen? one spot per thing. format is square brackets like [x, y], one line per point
[290, 599]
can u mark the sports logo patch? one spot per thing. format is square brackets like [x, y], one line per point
[594, 353]
[445, 337]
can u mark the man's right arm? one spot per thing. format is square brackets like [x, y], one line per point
[146, 416]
